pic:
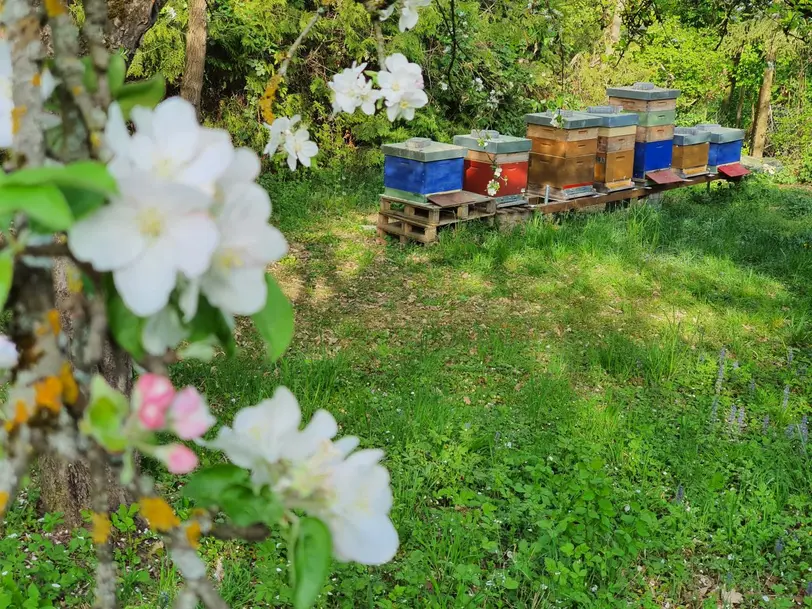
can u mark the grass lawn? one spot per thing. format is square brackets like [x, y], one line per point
[608, 410]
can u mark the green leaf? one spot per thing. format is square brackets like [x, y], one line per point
[82, 202]
[311, 562]
[145, 93]
[567, 549]
[90, 79]
[511, 584]
[207, 485]
[87, 175]
[275, 322]
[116, 73]
[44, 204]
[6, 275]
[209, 321]
[105, 414]
[125, 326]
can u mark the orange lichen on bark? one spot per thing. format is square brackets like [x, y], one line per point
[101, 528]
[54, 321]
[268, 98]
[17, 115]
[37, 79]
[21, 416]
[54, 8]
[160, 516]
[193, 533]
[3, 502]
[48, 394]
[70, 390]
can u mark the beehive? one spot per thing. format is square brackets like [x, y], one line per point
[489, 150]
[656, 109]
[691, 148]
[614, 162]
[562, 157]
[725, 146]
[420, 167]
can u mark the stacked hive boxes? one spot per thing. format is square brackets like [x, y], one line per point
[494, 159]
[562, 156]
[656, 108]
[691, 147]
[418, 168]
[614, 162]
[725, 152]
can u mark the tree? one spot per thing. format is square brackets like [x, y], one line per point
[763, 107]
[129, 20]
[192, 85]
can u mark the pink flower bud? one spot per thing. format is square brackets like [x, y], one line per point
[189, 415]
[178, 458]
[153, 395]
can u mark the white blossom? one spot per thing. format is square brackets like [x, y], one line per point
[408, 13]
[349, 491]
[235, 282]
[151, 232]
[280, 130]
[8, 353]
[352, 90]
[402, 87]
[169, 144]
[163, 331]
[300, 148]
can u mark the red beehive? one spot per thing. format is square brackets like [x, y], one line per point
[493, 157]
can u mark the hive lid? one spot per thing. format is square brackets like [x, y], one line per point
[687, 136]
[721, 135]
[613, 116]
[425, 150]
[493, 142]
[643, 90]
[563, 119]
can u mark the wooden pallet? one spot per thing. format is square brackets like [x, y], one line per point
[405, 230]
[435, 215]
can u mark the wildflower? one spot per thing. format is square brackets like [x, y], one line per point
[150, 233]
[8, 353]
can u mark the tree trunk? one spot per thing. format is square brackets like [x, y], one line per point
[613, 31]
[192, 85]
[763, 109]
[67, 487]
[733, 81]
[740, 107]
[129, 21]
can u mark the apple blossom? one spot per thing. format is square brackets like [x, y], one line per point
[163, 331]
[408, 13]
[402, 87]
[349, 491]
[352, 90]
[8, 353]
[179, 459]
[152, 396]
[280, 130]
[168, 143]
[189, 416]
[300, 148]
[151, 232]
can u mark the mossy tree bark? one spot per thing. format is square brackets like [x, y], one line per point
[192, 86]
[763, 108]
[129, 21]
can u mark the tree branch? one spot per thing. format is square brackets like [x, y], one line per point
[283, 69]
[105, 570]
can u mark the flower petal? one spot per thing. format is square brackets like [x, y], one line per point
[239, 291]
[108, 239]
[194, 239]
[145, 285]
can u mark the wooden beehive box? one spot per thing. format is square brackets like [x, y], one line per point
[564, 144]
[614, 162]
[725, 146]
[489, 150]
[691, 147]
[420, 167]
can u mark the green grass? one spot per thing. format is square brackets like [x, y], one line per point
[545, 397]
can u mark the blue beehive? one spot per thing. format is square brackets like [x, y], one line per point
[725, 145]
[652, 156]
[423, 167]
